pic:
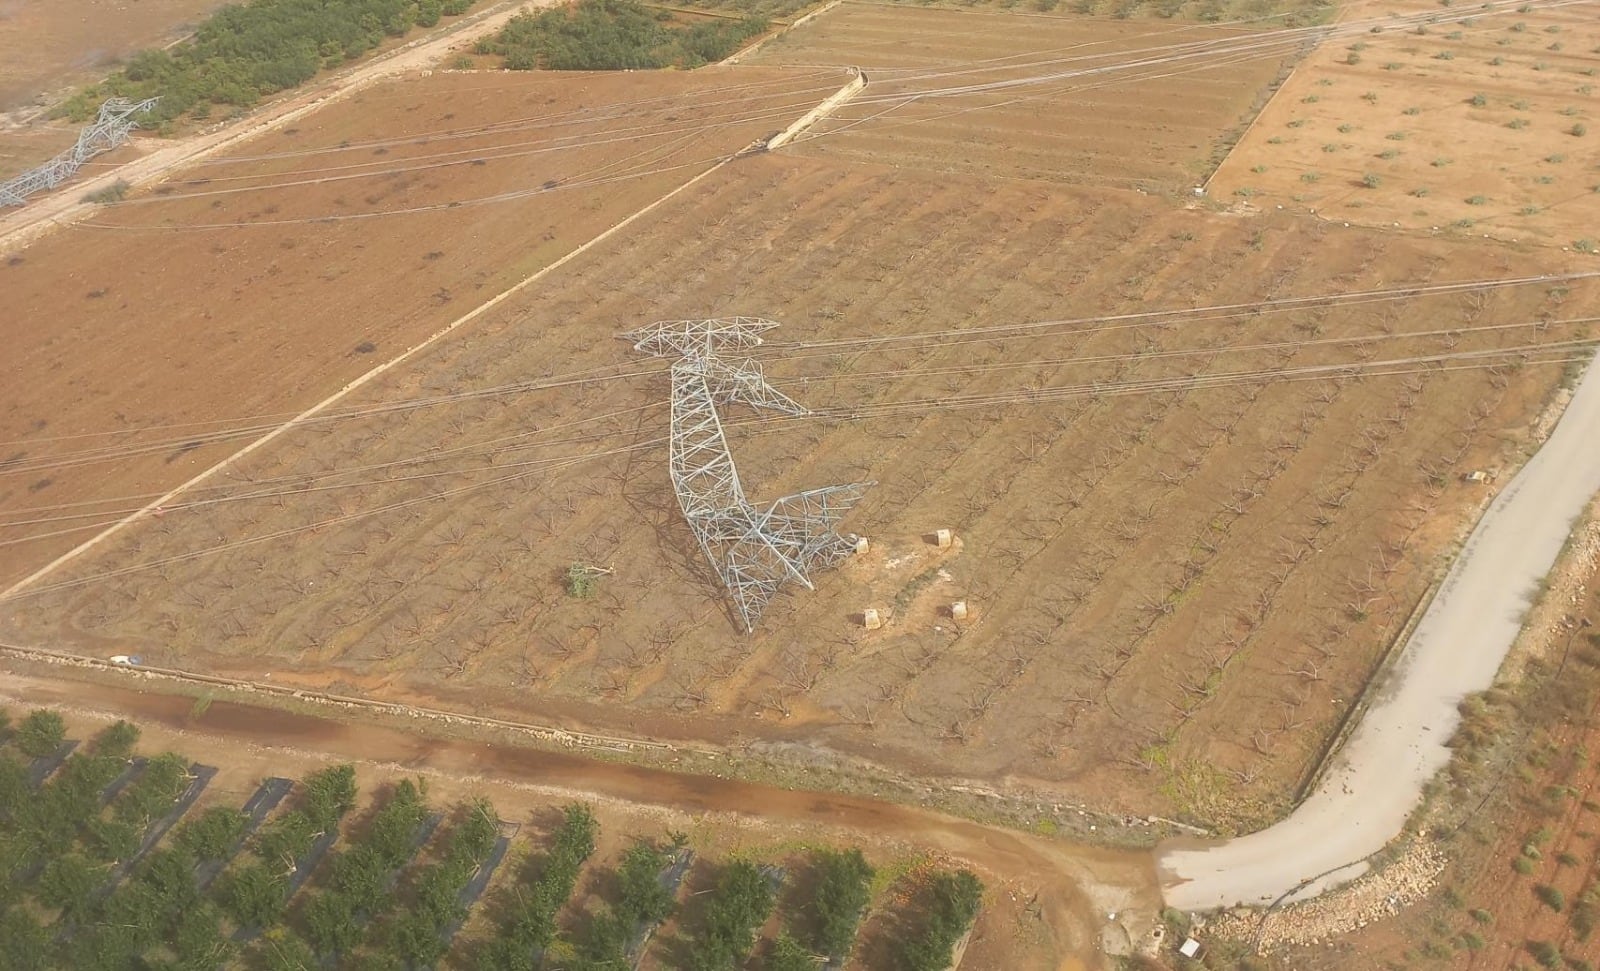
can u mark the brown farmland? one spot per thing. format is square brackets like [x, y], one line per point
[1185, 537]
[255, 285]
[1168, 118]
[47, 46]
[1479, 127]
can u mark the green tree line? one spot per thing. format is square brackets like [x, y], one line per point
[953, 901]
[530, 926]
[245, 52]
[614, 35]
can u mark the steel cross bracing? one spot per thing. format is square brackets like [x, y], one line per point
[754, 548]
[109, 129]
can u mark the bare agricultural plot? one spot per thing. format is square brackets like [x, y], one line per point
[1479, 126]
[257, 283]
[1184, 537]
[46, 46]
[1112, 106]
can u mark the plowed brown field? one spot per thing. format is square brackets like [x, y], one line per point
[47, 46]
[1112, 117]
[256, 285]
[1185, 536]
[1478, 127]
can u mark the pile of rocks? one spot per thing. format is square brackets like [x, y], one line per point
[1377, 895]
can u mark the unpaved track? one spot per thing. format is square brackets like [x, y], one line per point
[64, 207]
[1074, 883]
[1377, 780]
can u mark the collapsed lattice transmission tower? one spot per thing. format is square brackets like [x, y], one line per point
[109, 129]
[753, 548]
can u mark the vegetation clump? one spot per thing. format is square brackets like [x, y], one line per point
[741, 903]
[614, 35]
[954, 899]
[531, 923]
[844, 888]
[245, 52]
[41, 733]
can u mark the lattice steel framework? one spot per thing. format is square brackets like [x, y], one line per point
[109, 129]
[754, 548]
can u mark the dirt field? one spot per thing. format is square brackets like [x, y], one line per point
[51, 45]
[1185, 537]
[222, 296]
[1035, 915]
[1475, 127]
[1170, 120]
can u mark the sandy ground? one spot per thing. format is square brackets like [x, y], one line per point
[225, 293]
[1481, 127]
[1059, 80]
[1065, 886]
[48, 45]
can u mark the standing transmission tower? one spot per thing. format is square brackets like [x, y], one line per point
[754, 548]
[109, 129]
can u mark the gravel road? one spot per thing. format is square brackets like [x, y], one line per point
[1457, 648]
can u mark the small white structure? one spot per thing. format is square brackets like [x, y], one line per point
[958, 610]
[871, 619]
[1189, 948]
[942, 538]
[861, 545]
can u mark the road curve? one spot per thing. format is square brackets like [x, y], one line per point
[1456, 649]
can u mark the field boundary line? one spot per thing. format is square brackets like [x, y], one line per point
[1314, 46]
[568, 737]
[855, 84]
[1205, 187]
[759, 42]
[1363, 700]
[829, 105]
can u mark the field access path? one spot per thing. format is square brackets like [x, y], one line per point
[1458, 647]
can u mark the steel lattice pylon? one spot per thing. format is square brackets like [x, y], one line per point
[109, 129]
[753, 548]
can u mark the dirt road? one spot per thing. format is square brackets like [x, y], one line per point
[47, 213]
[1400, 744]
[1073, 884]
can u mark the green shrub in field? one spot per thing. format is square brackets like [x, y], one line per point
[1550, 897]
[41, 733]
[245, 52]
[954, 906]
[841, 897]
[614, 35]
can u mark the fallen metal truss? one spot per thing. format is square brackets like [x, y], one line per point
[109, 129]
[754, 548]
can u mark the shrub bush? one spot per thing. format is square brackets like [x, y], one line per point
[245, 52]
[955, 898]
[41, 733]
[842, 894]
[614, 35]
